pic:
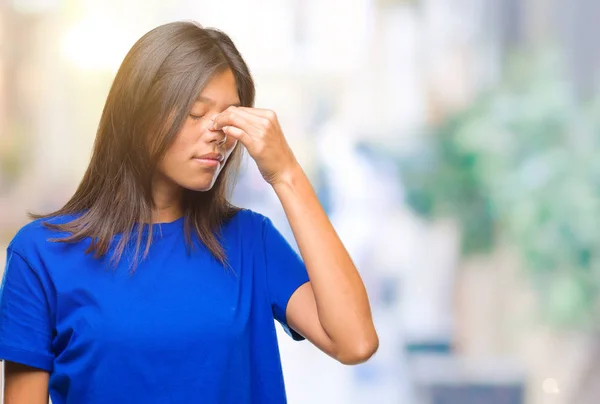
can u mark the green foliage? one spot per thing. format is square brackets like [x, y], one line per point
[522, 165]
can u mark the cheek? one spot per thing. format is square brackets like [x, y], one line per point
[179, 151]
[183, 141]
[175, 155]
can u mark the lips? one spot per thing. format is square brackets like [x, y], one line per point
[211, 156]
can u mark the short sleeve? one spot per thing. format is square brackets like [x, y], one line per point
[285, 273]
[25, 326]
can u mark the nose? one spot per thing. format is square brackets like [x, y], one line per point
[215, 136]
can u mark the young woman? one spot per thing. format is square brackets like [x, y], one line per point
[148, 286]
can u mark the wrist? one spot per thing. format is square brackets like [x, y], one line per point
[289, 177]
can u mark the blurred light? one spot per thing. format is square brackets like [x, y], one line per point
[550, 386]
[35, 6]
[337, 36]
[96, 43]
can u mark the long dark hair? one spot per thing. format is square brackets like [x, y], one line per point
[150, 99]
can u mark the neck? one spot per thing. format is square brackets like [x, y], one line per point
[166, 214]
[167, 202]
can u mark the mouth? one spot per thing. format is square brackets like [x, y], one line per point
[210, 159]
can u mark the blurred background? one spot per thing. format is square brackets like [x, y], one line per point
[453, 143]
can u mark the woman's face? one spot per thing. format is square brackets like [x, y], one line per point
[198, 154]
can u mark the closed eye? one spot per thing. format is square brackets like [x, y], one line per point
[196, 117]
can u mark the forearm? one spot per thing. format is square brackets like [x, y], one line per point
[342, 303]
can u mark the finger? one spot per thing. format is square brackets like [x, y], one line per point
[230, 117]
[238, 134]
[264, 113]
[254, 124]
[260, 122]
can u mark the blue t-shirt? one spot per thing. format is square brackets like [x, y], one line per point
[180, 329]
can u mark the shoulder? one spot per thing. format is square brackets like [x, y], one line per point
[249, 220]
[36, 233]
[249, 227]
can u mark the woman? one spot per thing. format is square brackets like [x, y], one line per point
[148, 286]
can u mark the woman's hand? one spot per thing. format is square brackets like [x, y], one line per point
[259, 131]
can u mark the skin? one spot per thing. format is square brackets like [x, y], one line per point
[25, 385]
[332, 310]
[179, 169]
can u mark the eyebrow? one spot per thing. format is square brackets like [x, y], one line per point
[212, 102]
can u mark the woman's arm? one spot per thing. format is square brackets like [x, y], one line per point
[332, 310]
[24, 384]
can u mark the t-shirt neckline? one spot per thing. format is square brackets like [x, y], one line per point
[166, 228]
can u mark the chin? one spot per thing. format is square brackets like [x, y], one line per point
[198, 186]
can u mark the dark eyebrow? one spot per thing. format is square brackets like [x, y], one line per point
[212, 102]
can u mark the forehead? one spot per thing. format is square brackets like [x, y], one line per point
[221, 90]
